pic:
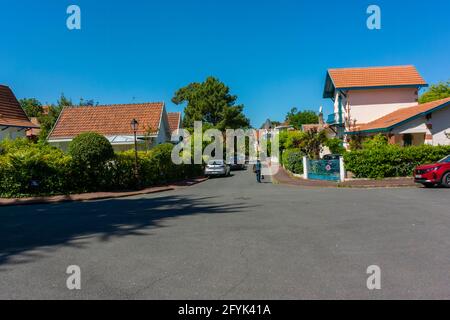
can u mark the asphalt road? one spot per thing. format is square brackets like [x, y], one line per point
[231, 238]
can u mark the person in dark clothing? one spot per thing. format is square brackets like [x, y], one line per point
[257, 170]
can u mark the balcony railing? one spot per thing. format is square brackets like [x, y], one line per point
[333, 119]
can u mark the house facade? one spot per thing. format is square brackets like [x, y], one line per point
[369, 101]
[114, 122]
[13, 120]
[175, 124]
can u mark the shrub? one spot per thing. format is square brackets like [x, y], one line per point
[23, 162]
[292, 160]
[377, 141]
[90, 153]
[28, 168]
[384, 161]
[335, 145]
[91, 148]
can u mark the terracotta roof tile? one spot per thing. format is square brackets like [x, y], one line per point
[376, 77]
[396, 117]
[174, 120]
[11, 113]
[108, 120]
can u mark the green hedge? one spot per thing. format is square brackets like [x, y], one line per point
[292, 160]
[391, 160]
[37, 169]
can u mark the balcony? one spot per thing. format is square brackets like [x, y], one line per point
[333, 119]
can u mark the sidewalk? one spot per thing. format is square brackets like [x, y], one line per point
[98, 195]
[283, 177]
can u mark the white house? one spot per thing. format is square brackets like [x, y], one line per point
[375, 100]
[13, 121]
[114, 122]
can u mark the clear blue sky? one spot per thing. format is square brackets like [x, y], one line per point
[273, 54]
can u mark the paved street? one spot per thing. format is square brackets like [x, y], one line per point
[230, 239]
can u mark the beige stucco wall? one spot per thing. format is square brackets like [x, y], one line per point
[11, 133]
[367, 105]
[441, 124]
[415, 126]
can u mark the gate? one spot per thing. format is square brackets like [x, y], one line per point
[329, 170]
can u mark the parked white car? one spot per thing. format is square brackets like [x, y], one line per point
[217, 168]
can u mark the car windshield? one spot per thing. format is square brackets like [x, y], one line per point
[215, 162]
[445, 160]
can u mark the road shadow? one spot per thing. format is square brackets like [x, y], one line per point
[24, 228]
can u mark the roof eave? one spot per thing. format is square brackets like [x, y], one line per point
[418, 115]
[21, 127]
[418, 86]
[330, 88]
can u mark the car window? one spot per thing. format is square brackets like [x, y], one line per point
[445, 160]
[215, 162]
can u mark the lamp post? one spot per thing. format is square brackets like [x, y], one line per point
[134, 126]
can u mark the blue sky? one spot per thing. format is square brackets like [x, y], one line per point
[273, 54]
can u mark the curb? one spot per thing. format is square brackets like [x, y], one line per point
[343, 185]
[4, 202]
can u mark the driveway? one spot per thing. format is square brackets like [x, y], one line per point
[231, 238]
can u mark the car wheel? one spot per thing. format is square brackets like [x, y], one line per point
[446, 180]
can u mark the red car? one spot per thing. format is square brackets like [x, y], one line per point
[434, 174]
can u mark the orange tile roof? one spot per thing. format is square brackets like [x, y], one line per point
[11, 113]
[390, 120]
[376, 77]
[174, 120]
[108, 120]
[310, 127]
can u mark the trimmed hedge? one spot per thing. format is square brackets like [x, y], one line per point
[91, 148]
[292, 160]
[384, 161]
[28, 169]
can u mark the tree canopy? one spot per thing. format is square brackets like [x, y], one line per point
[298, 118]
[437, 91]
[31, 106]
[211, 102]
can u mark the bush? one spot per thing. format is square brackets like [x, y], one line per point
[27, 168]
[91, 148]
[23, 162]
[335, 145]
[292, 160]
[383, 161]
[90, 153]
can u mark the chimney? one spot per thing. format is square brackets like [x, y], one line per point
[321, 122]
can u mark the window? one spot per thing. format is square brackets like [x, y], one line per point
[445, 160]
[407, 140]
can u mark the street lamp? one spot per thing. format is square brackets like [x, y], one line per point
[134, 126]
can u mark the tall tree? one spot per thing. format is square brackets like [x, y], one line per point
[31, 106]
[48, 120]
[298, 118]
[211, 102]
[437, 91]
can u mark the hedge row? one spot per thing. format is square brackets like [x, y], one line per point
[391, 160]
[292, 160]
[38, 169]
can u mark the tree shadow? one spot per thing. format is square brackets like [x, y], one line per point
[24, 228]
